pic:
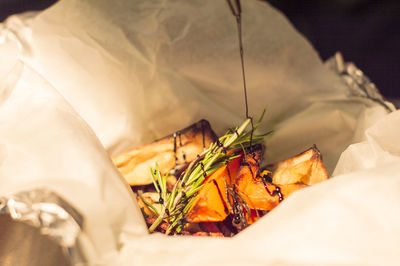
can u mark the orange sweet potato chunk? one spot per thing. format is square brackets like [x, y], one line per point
[211, 205]
[259, 193]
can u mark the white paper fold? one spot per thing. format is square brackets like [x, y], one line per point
[44, 143]
[136, 71]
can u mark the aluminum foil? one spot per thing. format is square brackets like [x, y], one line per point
[39, 228]
[359, 84]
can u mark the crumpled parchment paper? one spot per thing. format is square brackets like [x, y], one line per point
[45, 144]
[137, 70]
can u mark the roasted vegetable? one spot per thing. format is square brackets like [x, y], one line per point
[222, 189]
[170, 152]
[306, 167]
[212, 204]
[257, 188]
[242, 183]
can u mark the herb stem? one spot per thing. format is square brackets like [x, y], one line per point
[178, 202]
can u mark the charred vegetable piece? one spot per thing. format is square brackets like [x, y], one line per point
[169, 152]
[258, 189]
[306, 167]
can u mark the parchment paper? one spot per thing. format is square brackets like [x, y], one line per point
[45, 144]
[138, 70]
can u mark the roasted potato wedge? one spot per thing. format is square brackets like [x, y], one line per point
[306, 168]
[169, 152]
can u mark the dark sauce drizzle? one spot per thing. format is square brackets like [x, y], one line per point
[178, 135]
[220, 195]
[203, 136]
[227, 169]
[236, 9]
[180, 145]
[220, 145]
[266, 179]
[277, 191]
[176, 157]
[204, 171]
[238, 215]
[239, 220]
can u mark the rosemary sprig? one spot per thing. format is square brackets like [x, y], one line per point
[177, 203]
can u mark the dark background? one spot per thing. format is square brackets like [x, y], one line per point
[367, 32]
